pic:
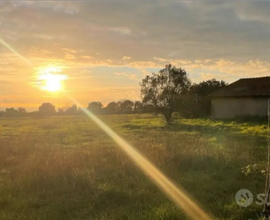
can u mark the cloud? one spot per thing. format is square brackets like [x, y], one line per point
[161, 60]
[121, 30]
[131, 76]
[215, 30]
[69, 50]
[86, 57]
[126, 58]
[70, 57]
[225, 40]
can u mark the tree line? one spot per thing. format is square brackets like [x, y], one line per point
[171, 90]
[165, 92]
[48, 109]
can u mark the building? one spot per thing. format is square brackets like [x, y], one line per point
[245, 97]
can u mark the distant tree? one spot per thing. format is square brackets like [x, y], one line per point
[207, 87]
[60, 111]
[68, 109]
[95, 107]
[66, 106]
[164, 90]
[11, 112]
[72, 110]
[147, 108]
[80, 111]
[34, 114]
[189, 107]
[2, 114]
[112, 108]
[47, 109]
[138, 107]
[126, 106]
[199, 101]
[21, 110]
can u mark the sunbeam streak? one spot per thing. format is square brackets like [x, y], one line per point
[14, 51]
[176, 194]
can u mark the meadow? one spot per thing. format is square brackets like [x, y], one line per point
[65, 167]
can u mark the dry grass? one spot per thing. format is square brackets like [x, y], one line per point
[66, 168]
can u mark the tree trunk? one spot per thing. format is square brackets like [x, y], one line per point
[168, 117]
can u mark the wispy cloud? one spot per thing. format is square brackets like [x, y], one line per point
[131, 76]
[126, 58]
[70, 57]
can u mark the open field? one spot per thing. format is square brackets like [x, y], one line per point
[67, 168]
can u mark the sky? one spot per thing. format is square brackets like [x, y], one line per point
[105, 48]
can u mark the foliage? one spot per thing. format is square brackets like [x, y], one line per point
[138, 107]
[126, 106]
[165, 90]
[201, 102]
[205, 88]
[11, 112]
[95, 107]
[252, 168]
[21, 110]
[47, 109]
[61, 111]
[72, 110]
[112, 108]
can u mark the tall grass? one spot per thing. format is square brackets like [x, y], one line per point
[67, 168]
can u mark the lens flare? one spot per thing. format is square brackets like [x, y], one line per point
[176, 194]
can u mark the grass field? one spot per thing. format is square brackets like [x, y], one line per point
[67, 168]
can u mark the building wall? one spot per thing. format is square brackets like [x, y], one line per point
[225, 108]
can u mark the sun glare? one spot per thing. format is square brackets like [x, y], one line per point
[51, 79]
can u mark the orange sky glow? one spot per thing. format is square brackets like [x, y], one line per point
[101, 51]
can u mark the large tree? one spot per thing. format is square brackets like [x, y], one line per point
[165, 90]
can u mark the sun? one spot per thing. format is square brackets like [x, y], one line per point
[51, 80]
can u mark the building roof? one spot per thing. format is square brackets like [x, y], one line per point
[249, 87]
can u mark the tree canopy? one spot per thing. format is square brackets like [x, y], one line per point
[165, 90]
[46, 109]
[205, 88]
[95, 107]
